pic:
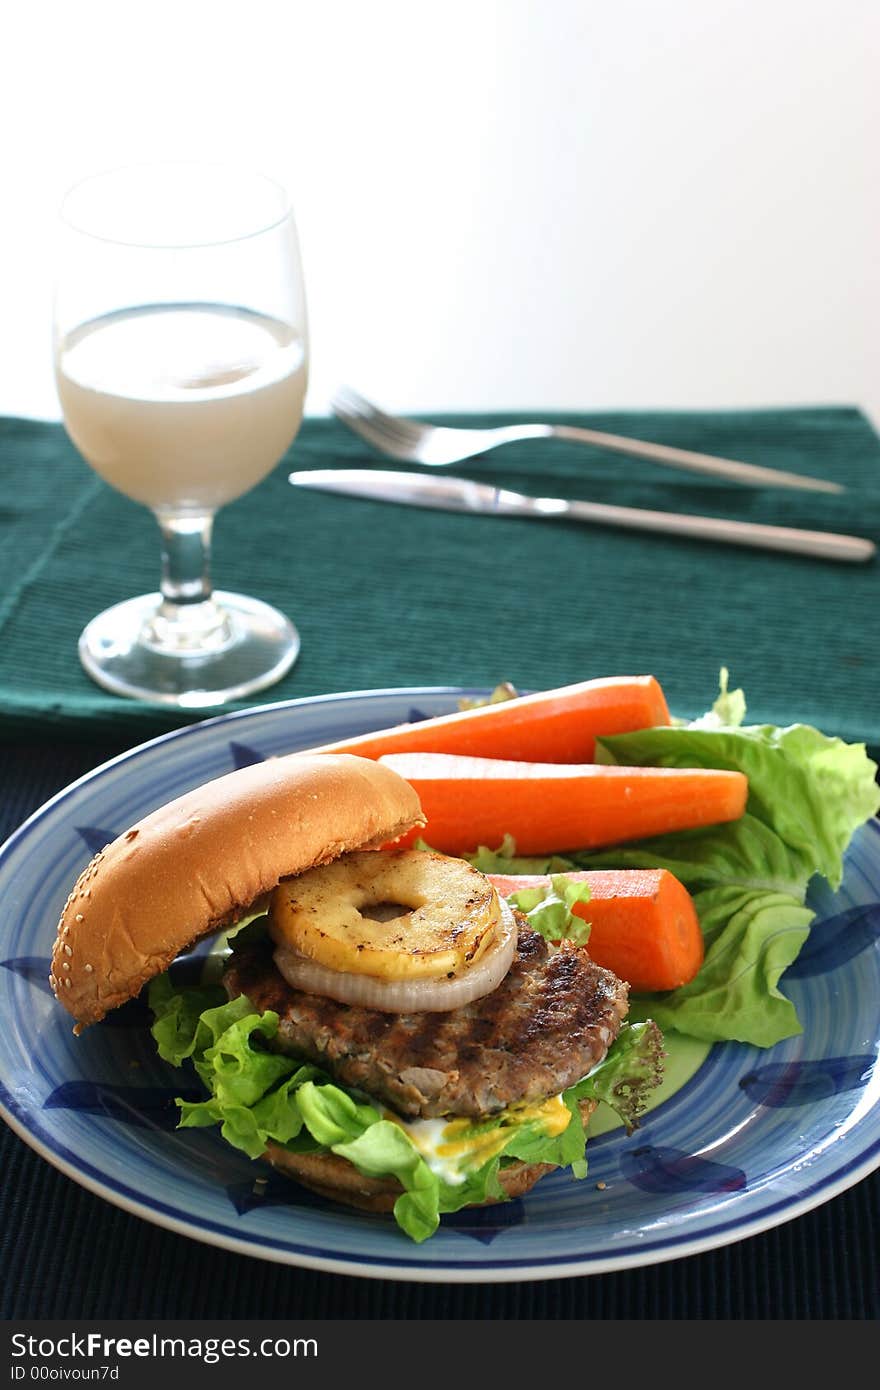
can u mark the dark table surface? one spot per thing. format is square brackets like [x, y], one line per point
[385, 600]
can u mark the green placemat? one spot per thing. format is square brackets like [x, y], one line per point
[387, 596]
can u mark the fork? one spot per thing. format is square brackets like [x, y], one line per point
[414, 441]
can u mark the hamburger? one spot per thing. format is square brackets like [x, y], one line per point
[386, 1031]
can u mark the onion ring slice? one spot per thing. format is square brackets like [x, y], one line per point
[411, 995]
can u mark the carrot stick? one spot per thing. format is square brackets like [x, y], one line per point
[547, 806]
[643, 924]
[554, 726]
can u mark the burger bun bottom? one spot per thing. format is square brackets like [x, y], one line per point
[335, 1178]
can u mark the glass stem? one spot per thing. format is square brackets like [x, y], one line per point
[187, 619]
[186, 557]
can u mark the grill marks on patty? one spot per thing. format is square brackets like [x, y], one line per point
[547, 1024]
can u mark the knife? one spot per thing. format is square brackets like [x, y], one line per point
[444, 493]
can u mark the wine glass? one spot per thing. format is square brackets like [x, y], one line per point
[181, 365]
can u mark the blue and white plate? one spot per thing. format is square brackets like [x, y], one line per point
[753, 1139]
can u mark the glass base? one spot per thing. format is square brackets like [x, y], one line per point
[192, 659]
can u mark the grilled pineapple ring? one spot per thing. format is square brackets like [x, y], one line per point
[446, 914]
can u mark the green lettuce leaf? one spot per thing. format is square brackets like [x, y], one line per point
[505, 860]
[177, 1014]
[502, 692]
[628, 1073]
[747, 853]
[808, 793]
[498, 861]
[751, 938]
[729, 709]
[549, 909]
[383, 1151]
[811, 791]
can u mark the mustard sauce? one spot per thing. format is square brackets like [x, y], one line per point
[451, 1148]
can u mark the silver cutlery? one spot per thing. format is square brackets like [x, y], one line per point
[413, 441]
[450, 494]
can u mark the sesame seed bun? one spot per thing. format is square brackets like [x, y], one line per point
[199, 863]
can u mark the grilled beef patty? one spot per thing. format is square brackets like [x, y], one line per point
[551, 1019]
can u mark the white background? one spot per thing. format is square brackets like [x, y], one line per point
[567, 204]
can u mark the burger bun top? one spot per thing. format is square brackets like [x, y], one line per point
[200, 862]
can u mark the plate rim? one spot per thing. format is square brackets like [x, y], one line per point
[366, 1266]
